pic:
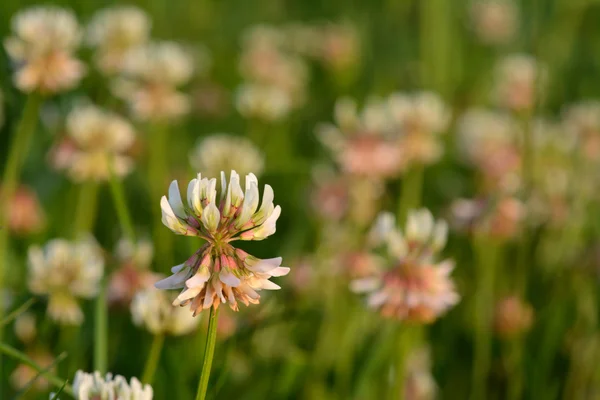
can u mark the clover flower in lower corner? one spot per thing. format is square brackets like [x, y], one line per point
[64, 271]
[218, 272]
[87, 386]
[416, 287]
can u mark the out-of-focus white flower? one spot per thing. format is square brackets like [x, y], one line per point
[64, 271]
[269, 103]
[88, 386]
[42, 46]
[582, 121]
[98, 141]
[152, 309]
[519, 82]
[25, 327]
[115, 31]
[495, 21]
[419, 384]
[152, 74]
[416, 287]
[224, 152]
[218, 272]
[422, 117]
[500, 218]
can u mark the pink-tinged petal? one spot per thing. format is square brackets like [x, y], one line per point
[218, 287]
[228, 278]
[208, 297]
[268, 285]
[246, 289]
[266, 265]
[188, 294]
[198, 280]
[377, 299]
[280, 271]
[365, 285]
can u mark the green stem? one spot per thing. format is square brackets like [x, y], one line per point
[514, 356]
[153, 358]
[209, 351]
[403, 348]
[412, 191]
[10, 180]
[116, 190]
[487, 255]
[85, 211]
[17, 355]
[101, 332]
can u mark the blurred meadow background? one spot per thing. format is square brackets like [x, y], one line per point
[361, 116]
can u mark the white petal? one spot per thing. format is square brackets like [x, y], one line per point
[364, 285]
[377, 299]
[175, 281]
[175, 200]
[199, 279]
[280, 271]
[268, 285]
[211, 217]
[228, 278]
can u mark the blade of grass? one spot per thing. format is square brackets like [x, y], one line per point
[20, 310]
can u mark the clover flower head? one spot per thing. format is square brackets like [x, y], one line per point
[582, 121]
[416, 287]
[495, 22]
[218, 272]
[25, 215]
[152, 309]
[115, 31]
[64, 271]
[88, 386]
[264, 102]
[512, 317]
[224, 152]
[520, 80]
[42, 46]
[97, 142]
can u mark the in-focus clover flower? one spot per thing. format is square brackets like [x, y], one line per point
[416, 287]
[495, 22]
[114, 32]
[519, 82]
[94, 386]
[64, 271]
[97, 142]
[42, 46]
[218, 272]
[152, 309]
[151, 76]
[224, 152]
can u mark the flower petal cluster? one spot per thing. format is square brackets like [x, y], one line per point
[218, 272]
[416, 287]
[114, 32]
[65, 271]
[520, 80]
[97, 141]
[152, 309]
[42, 46]
[94, 386]
[225, 152]
[495, 22]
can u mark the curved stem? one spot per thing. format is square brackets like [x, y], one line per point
[153, 358]
[209, 351]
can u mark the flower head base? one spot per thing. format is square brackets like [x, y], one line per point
[219, 273]
[64, 271]
[94, 386]
[224, 152]
[152, 309]
[97, 142]
[416, 287]
[42, 46]
[115, 31]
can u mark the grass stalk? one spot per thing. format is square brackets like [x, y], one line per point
[209, 351]
[153, 358]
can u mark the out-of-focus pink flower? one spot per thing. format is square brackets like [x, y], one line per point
[512, 317]
[25, 215]
[495, 21]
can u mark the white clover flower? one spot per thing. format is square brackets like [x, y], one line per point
[152, 309]
[224, 152]
[65, 271]
[42, 46]
[152, 74]
[116, 31]
[265, 102]
[582, 121]
[520, 80]
[94, 386]
[25, 327]
[219, 273]
[495, 21]
[140, 254]
[416, 287]
[98, 142]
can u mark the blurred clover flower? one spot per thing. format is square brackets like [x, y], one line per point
[25, 215]
[133, 273]
[114, 32]
[88, 386]
[64, 271]
[512, 317]
[97, 142]
[495, 22]
[420, 384]
[422, 117]
[25, 327]
[489, 140]
[224, 152]
[218, 272]
[152, 309]
[416, 287]
[582, 121]
[499, 217]
[264, 102]
[24, 374]
[151, 75]
[42, 46]
[519, 82]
